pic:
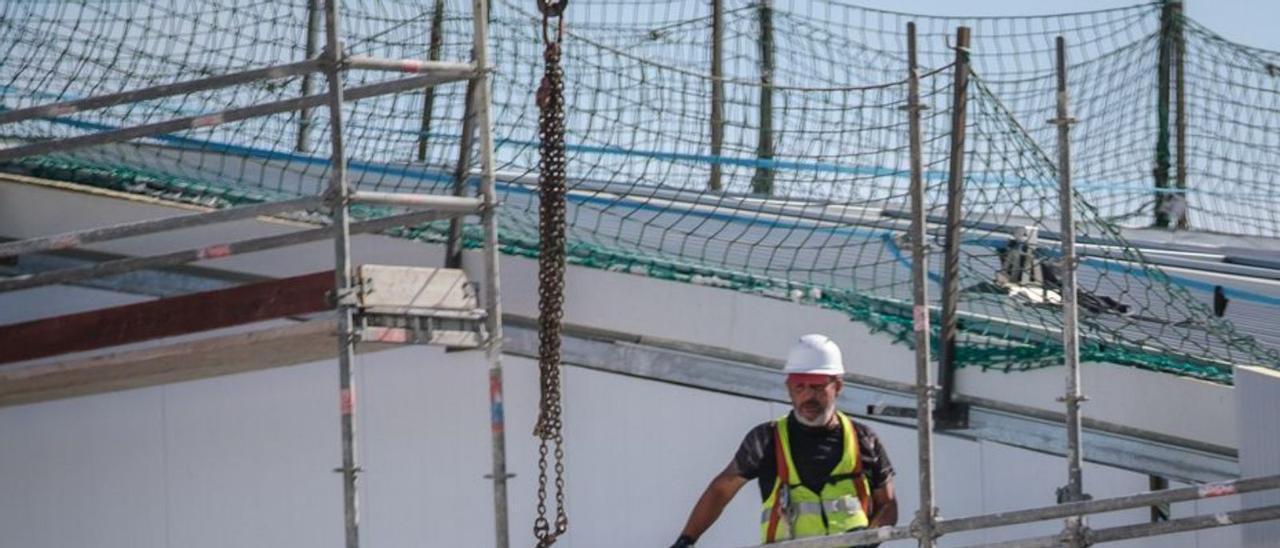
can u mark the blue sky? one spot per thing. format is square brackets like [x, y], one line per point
[1252, 22]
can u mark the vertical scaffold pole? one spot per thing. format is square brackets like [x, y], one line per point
[1163, 70]
[1180, 115]
[308, 79]
[717, 92]
[762, 182]
[461, 173]
[951, 244]
[925, 516]
[337, 195]
[493, 303]
[429, 94]
[1074, 490]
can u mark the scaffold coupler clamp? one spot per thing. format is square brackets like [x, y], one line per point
[920, 530]
[1077, 399]
[1076, 534]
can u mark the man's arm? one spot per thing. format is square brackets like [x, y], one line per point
[884, 505]
[722, 489]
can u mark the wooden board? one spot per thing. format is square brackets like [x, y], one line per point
[221, 355]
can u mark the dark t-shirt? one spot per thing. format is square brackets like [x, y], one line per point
[816, 451]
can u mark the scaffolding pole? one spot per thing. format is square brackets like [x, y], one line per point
[717, 93]
[208, 252]
[223, 117]
[1164, 61]
[1059, 511]
[493, 305]
[429, 94]
[762, 182]
[1074, 490]
[447, 69]
[948, 410]
[343, 287]
[308, 79]
[926, 515]
[1126, 532]
[77, 238]
[64, 108]
[1180, 115]
[461, 173]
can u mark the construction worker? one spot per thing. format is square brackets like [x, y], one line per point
[819, 472]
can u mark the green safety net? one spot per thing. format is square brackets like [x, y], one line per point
[814, 212]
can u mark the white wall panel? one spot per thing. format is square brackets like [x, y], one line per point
[1259, 431]
[250, 458]
[84, 472]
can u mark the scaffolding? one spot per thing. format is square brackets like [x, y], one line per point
[374, 303]
[1073, 504]
[452, 313]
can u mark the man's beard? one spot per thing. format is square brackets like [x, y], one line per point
[823, 419]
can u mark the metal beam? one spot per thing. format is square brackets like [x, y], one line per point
[753, 376]
[165, 317]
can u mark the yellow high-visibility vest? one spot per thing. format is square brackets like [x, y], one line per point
[795, 511]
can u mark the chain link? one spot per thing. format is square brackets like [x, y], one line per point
[551, 265]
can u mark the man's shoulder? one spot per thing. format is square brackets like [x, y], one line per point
[762, 430]
[866, 435]
[760, 437]
[862, 429]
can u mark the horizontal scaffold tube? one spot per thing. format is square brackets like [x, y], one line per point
[64, 108]
[1126, 532]
[216, 251]
[216, 118]
[435, 202]
[444, 69]
[68, 240]
[1000, 519]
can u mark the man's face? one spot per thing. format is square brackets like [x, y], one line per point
[814, 397]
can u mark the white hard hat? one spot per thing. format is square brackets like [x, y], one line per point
[816, 355]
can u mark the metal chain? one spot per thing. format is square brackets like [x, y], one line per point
[551, 265]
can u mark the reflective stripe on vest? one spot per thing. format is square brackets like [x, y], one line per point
[840, 507]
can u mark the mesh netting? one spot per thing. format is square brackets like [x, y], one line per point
[831, 228]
